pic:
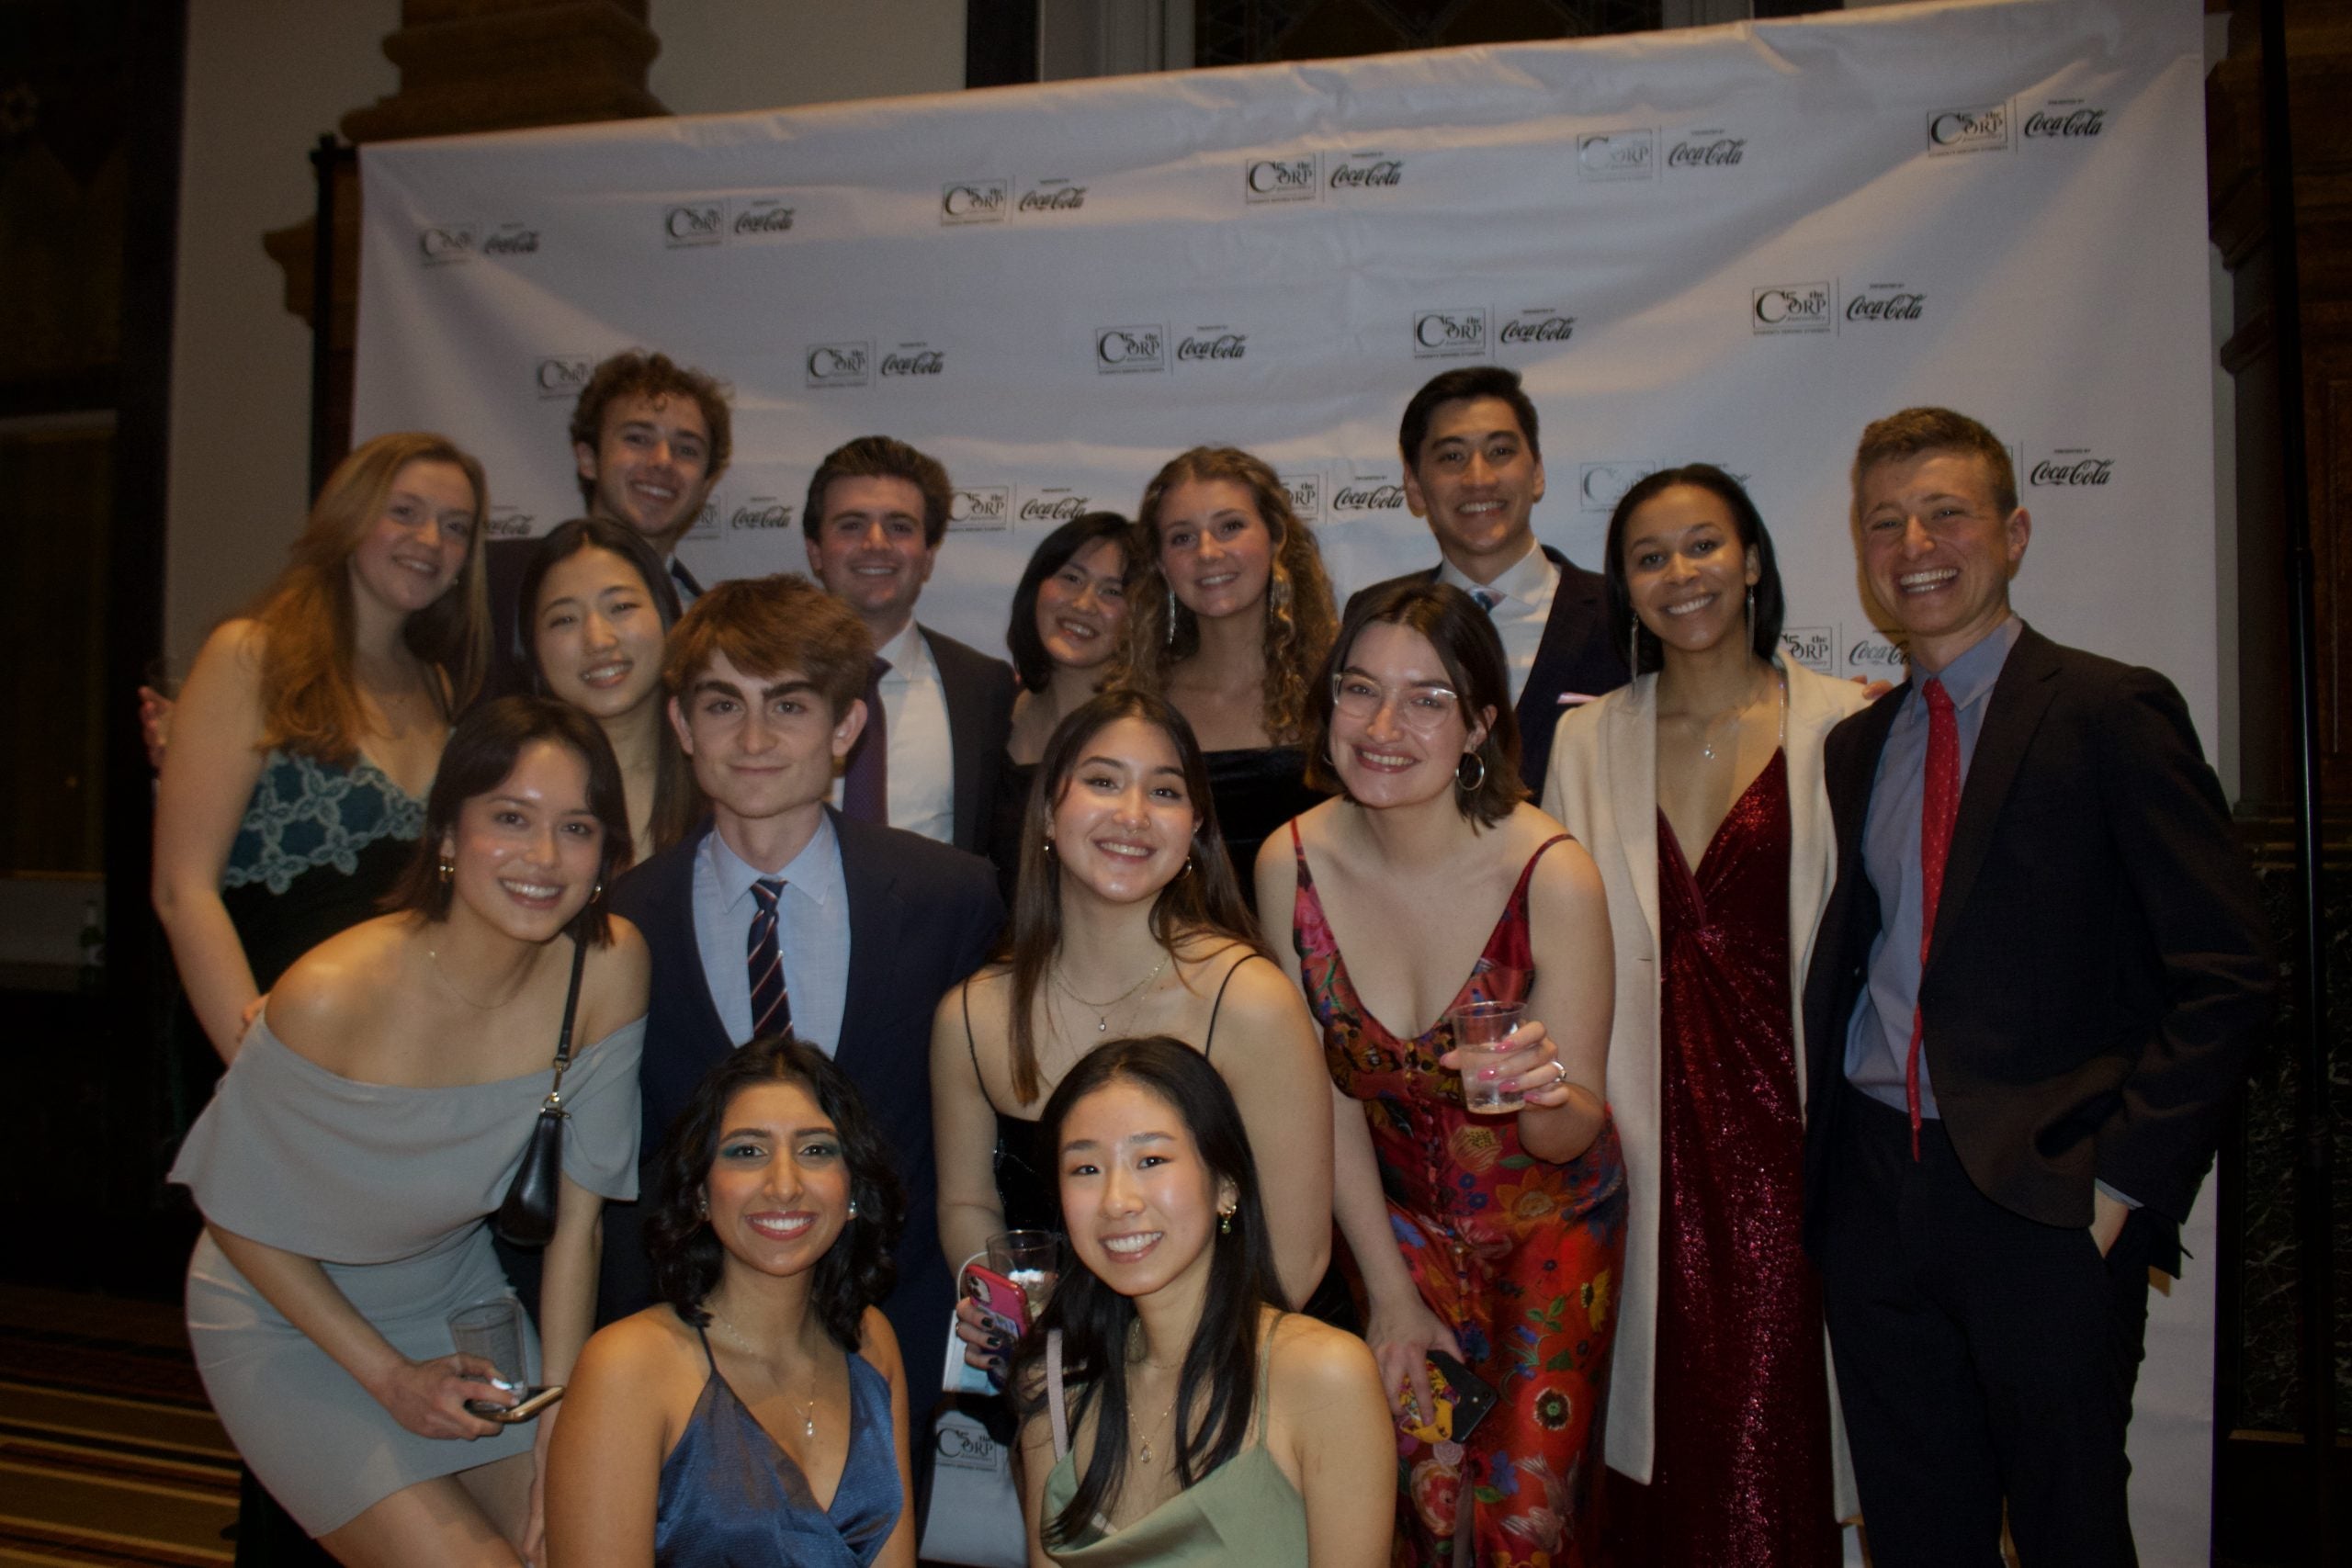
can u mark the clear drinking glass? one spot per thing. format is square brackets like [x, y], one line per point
[1482, 1039]
[1030, 1259]
[494, 1330]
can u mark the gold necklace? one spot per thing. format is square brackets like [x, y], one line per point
[1101, 1010]
[449, 986]
[808, 1405]
[1143, 1454]
[1707, 732]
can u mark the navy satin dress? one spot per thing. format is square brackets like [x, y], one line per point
[731, 1498]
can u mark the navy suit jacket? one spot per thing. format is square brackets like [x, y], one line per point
[2100, 962]
[922, 916]
[980, 692]
[1576, 655]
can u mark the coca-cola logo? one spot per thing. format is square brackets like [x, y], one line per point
[1054, 195]
[914, 359]
[1213, 344]
[2070, 465]
[1537, 326]
[760, 513]
[1280, 179]
[1886, 302]
[974, 201]
[1617, 155]
[1706, 151]
[762, 219]
[1306, 492]
[1982, 129]
[980, 507]
[1874, 656]
[510, 239]
[1600, 485]
[1449, 332]
[1816, 647]
[441, 243]
[699, 223]
[2063, 120]
[1367, 171]
[509, 523]
[562, 376]
[1360, 496]
[1122, 351]
[839, 363]
[1058, 504]
[1789, 308]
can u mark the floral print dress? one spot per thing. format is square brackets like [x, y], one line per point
[1519, 1257]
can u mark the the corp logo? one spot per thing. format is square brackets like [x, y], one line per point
[1367, 493]
[1053, 196]
[2071, 466]
[1542, 324]
[1306, 492]
[512, 239]
[508, 523]
[965, 1448]
[1983, 129]
[1873, 656]
[441, 243]
[914, 359]
[839, 363]
[977, 508]
[705, 523]
[1789, 308]
[703, 223]
[1366, 171]
[1450, 334]
[2063, 118]
[974, 201]
[1212, 343]
[1617, 156]
[1057, 503]
[1124, 350]
[564, 376]
[761, 511]
[1885, 303]
[765, 218]
[1599, 486]
[1816, 647]
[1280, 179]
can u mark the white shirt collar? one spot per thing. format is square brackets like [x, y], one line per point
[815, 872]
[908, 654]
[1524, 581]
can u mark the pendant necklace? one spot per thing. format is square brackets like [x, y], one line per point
[1707, 735]
[808, 1405]
[1101, 1010]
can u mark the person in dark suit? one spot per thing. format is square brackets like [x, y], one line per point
[2009, 1115]
[1474, 471]
[932, 757]
[783, 911]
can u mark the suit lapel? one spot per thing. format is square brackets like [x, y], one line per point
[962, 756]
[1554, 652]
[1632, 780]
[2019, 697]
[876, 917]
[676, 916]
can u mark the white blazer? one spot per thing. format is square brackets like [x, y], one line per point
[1603, 786]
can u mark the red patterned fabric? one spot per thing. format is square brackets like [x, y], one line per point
[1938, 807]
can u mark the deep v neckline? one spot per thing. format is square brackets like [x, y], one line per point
[1666, 824]
[784, 1456]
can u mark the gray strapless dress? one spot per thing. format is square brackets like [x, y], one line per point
[390, 1188]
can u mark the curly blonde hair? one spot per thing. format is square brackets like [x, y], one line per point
[1300, 619]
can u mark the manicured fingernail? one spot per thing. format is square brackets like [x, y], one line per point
[996, 1341]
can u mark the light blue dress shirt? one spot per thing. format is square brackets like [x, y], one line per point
[812, 934]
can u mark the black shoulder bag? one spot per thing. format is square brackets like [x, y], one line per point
[527, 1217]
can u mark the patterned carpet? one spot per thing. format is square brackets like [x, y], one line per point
[108, 1453]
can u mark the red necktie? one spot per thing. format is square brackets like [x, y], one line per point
[1938, 805]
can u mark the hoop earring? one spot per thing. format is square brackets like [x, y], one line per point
[1751, 617]
[1633, 647]
[596, 892]
[1470, 786]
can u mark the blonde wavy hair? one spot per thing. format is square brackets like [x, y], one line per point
[1300, 619]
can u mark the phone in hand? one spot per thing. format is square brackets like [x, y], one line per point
[527, 1408]
[1004, 1301]
[1462, 1397]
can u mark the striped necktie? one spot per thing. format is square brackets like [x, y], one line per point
[771, 1009]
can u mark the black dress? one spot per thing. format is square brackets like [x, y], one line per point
[1257, 789]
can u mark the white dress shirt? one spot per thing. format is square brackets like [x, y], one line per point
[922, 753]
[1522, 595]
[811, 934]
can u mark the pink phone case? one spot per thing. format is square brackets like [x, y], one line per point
[1000, 1298]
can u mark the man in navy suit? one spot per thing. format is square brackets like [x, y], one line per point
[938, 711]
[2029, 1007]
[870, 926]
[1473, 470]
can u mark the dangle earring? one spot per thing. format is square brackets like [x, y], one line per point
[448, 868]
[1751, 615]
[1633, 648]
[1225, 1221]
[1172, 614]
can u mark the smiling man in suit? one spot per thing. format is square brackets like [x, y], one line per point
[2030, 1005]
[1474, 471]
[782, 913]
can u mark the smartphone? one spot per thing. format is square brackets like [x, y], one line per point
[1462, 1399]
[1000, 1298]
[527, 1409]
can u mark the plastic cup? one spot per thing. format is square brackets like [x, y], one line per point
[494, 1330]
[1482, 1040]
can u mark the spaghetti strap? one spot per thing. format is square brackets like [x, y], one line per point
[971, 1047]
[1209, 1043]
[703, 1334]
[1528, 874]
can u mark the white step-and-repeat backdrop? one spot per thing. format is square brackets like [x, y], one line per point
[1735, 244]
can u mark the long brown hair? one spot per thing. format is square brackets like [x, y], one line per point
[1300, 620]
[1204, 899]
[310, 697]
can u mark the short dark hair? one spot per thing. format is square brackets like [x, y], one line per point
[482, 750]
[1030, 661]
[857, 1270]
[766, 626]
[635, 373]
[882, 457]
[1220, 1365]
[1772, 608]
[1471, 651]
[1914, 431]
[1456, 386]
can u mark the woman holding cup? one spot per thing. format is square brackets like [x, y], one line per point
[1494, 1235]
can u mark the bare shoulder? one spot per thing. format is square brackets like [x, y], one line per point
[1256, 991]
[240, 642]
[1565, 879]
[880, 1346]
[1317, 1367]
[339, 987]
[642, 1355]
[619, 977]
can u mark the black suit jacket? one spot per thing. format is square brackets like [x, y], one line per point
[1576, 655]
[922, 916]
[2100, 964]
[979, 692]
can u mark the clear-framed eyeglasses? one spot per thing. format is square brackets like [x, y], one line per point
[1424, 710]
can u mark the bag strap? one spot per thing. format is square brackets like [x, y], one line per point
[564, 1039]
[1054, 1393]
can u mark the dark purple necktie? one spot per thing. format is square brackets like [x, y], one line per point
[866, 787]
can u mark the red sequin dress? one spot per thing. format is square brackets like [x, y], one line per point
[1741, 1477]
[1519, 1257]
